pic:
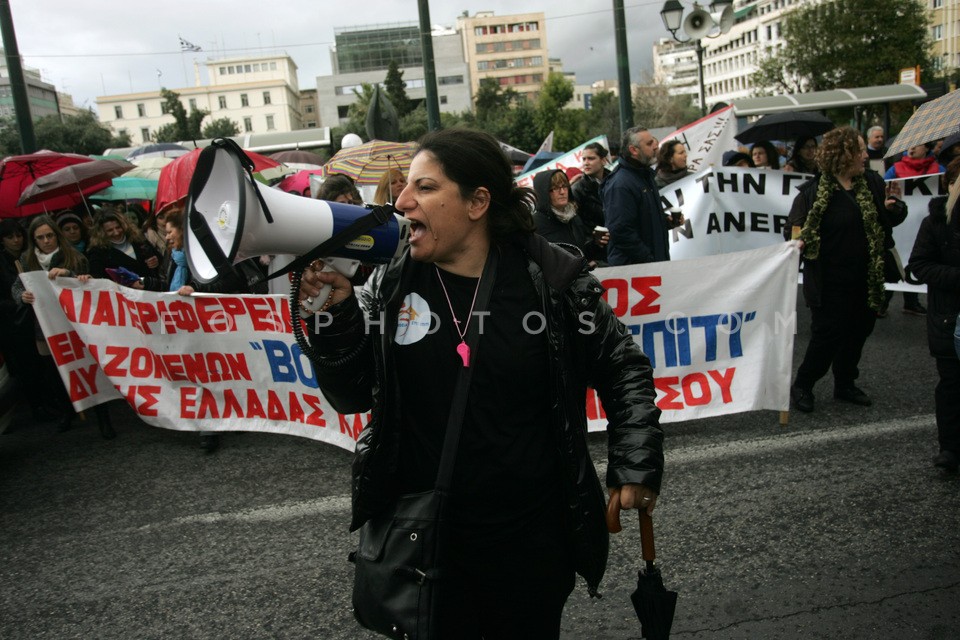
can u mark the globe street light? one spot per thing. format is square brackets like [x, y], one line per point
[698, 24]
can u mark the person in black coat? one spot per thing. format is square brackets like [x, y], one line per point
[586, 191]
[846, 220]
[935, 261]
[115, 242]
[557, 219]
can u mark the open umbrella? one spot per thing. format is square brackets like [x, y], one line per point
[652, 602]
[786, 125]
[299, 182]
[85, 177]
[174, 182]
[127, 188]
[148, 168]
[19, 172]
[936, 119]
[158, 150]
[365, 163]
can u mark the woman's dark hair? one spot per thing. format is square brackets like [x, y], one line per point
[9, 227]
[665, 154]
[337, 185]
[773, 156]
[474, 159]
[796, 161]
[597, 148]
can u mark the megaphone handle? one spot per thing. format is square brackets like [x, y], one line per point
[345, 266]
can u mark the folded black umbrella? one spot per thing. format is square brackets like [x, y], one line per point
[786, 125]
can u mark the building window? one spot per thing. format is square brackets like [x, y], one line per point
[118, 112]
[273, 66]
[247, 68]
[270, 126]
[230, 70]
[244, 101]
[266, 97]
[247, 125]
[309, 108]
[937, 4]
[223, 71]
[141, 110]
[222, 101]
[443, 99]
[193, 104]
[938, 32]
[343, 111]
[145, 133]
[450, 80]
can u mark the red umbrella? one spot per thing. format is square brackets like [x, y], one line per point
[299, 182]
[85, 177]
[175, 178]
[19, 172]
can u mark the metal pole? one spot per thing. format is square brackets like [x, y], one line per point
[703, 93]
[429, 70]
[18, 87]
[623, 66]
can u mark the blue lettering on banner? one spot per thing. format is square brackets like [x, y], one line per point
[288, 364]
[674, 335]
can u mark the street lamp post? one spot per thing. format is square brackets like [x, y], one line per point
[698, 24]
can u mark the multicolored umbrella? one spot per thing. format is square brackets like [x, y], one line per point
[19, 172]
[83, 178]
[174, 182]
[129, 188]
[148, 168]
[936, 119]
[367, 162]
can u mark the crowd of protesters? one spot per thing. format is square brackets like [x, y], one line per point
[607, 212]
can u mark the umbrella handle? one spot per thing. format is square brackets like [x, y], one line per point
[613, 512]
[646, 536]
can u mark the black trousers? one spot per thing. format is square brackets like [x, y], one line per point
[840, 327]
[947, 401]
[514, 589]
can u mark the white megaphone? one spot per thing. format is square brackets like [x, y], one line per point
[698, 23]
[723, 19]
[231, 219]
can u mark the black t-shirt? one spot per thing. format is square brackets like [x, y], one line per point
[505, 473]
[844, 251]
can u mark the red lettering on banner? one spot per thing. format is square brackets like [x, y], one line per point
[113, 366]
[296, 411]
[694, 389]
[103, 314]
[619, 286]
[316, 416]
[353, 427]
[208, 406]
[143, 398]
[594, 406]
[146, 315]
[724, 380]
[188, 398]
[66, 347]
[212, 317]
[645, 287]
[231, 406]
[669, 400]
[263, 315]
[82, 382]
[86, 301]
[68, 304]
[254, 407]
[275, 409]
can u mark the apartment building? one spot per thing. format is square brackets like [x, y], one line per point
[362, 55]
[260, 94]
[945, 33]
[511, 49]
[41, 96]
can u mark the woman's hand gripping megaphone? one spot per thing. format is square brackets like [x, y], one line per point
[325, 284]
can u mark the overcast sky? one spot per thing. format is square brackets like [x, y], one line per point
[103, 47]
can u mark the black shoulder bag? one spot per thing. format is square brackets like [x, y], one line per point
[399, 561]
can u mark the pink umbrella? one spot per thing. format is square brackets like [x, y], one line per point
[299, 182]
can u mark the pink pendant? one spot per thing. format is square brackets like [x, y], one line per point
[463, 350]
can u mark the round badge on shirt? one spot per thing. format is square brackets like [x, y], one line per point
[414, 320]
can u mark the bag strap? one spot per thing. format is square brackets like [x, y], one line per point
[458, 406]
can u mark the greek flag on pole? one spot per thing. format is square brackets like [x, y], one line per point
[188, 46]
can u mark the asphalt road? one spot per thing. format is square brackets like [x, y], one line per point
[834, 526]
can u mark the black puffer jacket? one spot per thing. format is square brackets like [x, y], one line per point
[606, 359]
[586, 193]
[935, 261]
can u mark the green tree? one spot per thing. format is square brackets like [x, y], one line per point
[603, 116]
[185, 126]
[653, 106]
[221, 128]
[396, 90]
[853, 43]
[81, 133]
[491, 101]
[555, 93]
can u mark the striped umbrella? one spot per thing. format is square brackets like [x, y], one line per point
[128, 188]
[367, 162]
